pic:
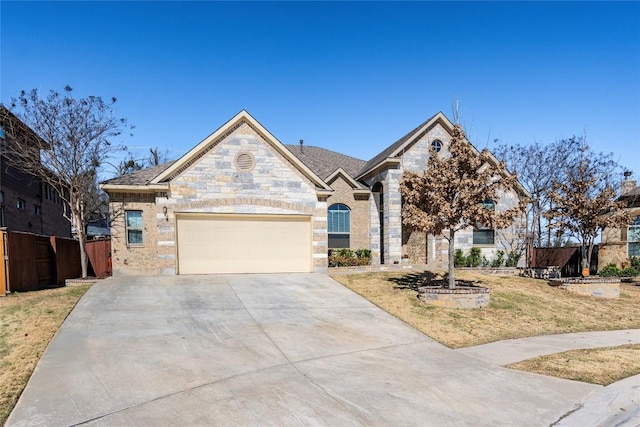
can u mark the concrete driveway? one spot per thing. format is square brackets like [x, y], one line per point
[257, 350]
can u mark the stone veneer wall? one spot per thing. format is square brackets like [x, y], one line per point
[359, 205]
[429, 249]
[390, 180]
[613, 248]
[423, 248]
[213, 184]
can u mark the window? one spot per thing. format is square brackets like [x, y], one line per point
[20, 204]
[633, 237]
[48, 191]
[339, 226]
[37, 210]
[437, 145]
[482, 234]
[134, 227]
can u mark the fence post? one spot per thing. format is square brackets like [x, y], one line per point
[4, 264]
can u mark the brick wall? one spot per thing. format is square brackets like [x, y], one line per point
[134, 259]
[359, 205]
[51, 222]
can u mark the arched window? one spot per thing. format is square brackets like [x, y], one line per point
[484, 234]
[437, 145]
[339, 226]
[633, 238]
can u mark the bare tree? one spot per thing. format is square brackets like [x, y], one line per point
[73, 137]
[133, 163]
[538, 166]
[584, 204]
[453, 192]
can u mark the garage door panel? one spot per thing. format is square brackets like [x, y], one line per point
[243, 244]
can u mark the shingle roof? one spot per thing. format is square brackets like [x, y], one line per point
[324, 162]
[393, 147]
[141, 177]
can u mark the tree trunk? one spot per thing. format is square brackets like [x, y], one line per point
[82, 239]
[452, 279]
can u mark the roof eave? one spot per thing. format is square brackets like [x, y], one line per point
[149, 188]
[388, 162]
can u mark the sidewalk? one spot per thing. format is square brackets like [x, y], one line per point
[615, 405]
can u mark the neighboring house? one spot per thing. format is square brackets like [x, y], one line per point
[617, 245]
[26, 202]
[241, 201]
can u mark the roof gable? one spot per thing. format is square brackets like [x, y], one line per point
[403, 143]
[347, 178]
[220, 134]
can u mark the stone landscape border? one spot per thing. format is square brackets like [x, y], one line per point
[601, 287]
[465, 297]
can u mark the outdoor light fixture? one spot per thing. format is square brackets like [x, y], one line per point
[164, 211]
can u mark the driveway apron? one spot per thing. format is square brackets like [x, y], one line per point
[254, 350]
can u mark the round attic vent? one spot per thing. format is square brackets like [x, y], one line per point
[245, 162]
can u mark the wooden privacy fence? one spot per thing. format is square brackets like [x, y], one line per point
[33, 262]
[568, 259]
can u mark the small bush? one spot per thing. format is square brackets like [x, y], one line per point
[363, 253]
[459, 260]
[512, 259]
[475, 258]
[499, 260]
[349, 258]
[610, 270]
[635, 262]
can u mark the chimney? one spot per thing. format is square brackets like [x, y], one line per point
[627, 185]
[301, 144]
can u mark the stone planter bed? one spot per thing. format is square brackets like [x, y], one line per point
[464, 296]
[602, 287]
[501, 271]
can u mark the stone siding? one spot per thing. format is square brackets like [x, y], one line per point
[429, 249]
[214, 184]
[390, 180]
[614, 247]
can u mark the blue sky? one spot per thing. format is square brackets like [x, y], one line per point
[347, 76]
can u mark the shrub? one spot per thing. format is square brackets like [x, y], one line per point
[629, 272]
[512, 259]
[475, 258]
[610, 270]
[499, 260]
[635, 262]
[348, 257]
[459, 260]
[363, 253]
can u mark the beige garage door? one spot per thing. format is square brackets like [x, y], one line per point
[216, 243]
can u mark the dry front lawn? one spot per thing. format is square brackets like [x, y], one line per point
[520, 307]
[28, 321]
[613, 364]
